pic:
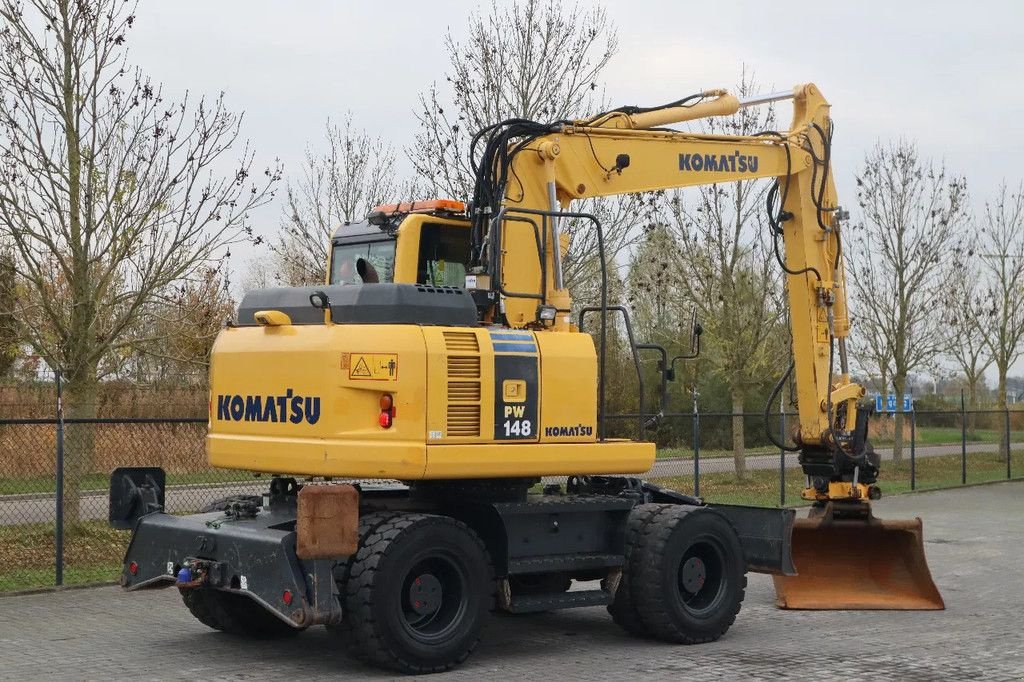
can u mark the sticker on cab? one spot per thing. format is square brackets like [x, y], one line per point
[371, 366]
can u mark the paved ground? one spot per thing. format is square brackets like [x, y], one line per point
[975, 544]
[39, 508]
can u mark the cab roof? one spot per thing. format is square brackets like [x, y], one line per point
[361, 231]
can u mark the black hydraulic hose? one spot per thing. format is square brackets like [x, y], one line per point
[768, 406]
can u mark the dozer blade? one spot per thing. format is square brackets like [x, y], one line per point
[864, 563]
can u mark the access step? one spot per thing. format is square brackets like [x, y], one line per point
[563, 563]
[563, 600]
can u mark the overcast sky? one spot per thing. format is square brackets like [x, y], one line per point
[929, 71]
[946, 74]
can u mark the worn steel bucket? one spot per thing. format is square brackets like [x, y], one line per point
[860, 563]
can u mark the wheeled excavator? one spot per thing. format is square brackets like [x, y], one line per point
[433, 418]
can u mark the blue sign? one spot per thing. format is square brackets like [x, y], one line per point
[888, 403]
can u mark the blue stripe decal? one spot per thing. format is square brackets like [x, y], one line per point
[515, 348]
[511, 336]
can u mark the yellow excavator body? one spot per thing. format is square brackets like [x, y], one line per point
[505, 384]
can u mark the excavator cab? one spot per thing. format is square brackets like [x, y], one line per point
[423, 242]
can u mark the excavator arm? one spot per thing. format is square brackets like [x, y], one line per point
[527, 173]
[622, 152]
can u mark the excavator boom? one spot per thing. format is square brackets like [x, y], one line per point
[845, 557]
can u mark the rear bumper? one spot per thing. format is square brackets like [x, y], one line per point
[251, 556]
[766, 535]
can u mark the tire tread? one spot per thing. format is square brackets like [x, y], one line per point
[652, 600]
[362, 627]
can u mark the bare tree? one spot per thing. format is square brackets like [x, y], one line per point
[912, 216]
[109, 192]
[727, 270]
[10, 334]
[1002, 265]
[356, 173]
[962, 331]
[656, 298]
[171, 342]
[532, 59]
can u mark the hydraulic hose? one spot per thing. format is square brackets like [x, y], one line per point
[768, 406]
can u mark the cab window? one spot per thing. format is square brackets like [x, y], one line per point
[444, 252]
[378, 263]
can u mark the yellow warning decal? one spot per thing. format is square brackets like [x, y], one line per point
[371, 366]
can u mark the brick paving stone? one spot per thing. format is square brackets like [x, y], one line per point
[975, 544]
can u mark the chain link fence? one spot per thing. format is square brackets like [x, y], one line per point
[702, 454]
[49, 539]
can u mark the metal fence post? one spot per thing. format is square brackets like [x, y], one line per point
[59, 493]
[1009, 447]
[963, 440]
[913, 448]
[696, 446]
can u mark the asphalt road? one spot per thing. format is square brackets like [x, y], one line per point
[16, 509]
[975, 546]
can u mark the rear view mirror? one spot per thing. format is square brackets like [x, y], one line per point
[135, 492]
[695, 331]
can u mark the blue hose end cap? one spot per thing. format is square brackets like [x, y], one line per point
[184, 575]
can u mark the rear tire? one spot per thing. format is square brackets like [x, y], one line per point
[623, 608]
[418, 593]
[368, 523]
[690, 575]
[235, 614]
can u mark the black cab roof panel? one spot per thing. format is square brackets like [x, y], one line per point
[359, 232]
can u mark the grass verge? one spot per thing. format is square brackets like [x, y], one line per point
[92, 553]
[101, 482]
[762, 487]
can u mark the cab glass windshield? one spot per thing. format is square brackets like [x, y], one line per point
[378, 263]
[444, 252]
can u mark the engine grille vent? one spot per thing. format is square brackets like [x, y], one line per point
[464, 391]
[463, 366]
[461, 342]
[463, 421]
[463, 417]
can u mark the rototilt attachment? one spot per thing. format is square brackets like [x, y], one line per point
[847, 559]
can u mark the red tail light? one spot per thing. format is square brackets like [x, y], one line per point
[387, 411]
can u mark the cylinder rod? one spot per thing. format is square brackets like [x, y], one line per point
[754, 100]
[556, 235]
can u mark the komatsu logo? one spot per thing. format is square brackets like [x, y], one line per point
[720, 163]
[269, 408]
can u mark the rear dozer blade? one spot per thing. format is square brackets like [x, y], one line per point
[858, 563]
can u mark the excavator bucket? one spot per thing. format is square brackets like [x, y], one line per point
[858, 563]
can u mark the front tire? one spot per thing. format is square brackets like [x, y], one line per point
[689, 575]
[418, 593]
[623, 609]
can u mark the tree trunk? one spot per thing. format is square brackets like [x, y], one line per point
[1004, 446]
[972, 405]
[79, 439]
[738, 453]
[899, 384]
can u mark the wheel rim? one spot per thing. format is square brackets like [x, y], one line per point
[433, 598]
[700, 586]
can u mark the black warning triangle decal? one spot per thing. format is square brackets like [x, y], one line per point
[361, 370]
